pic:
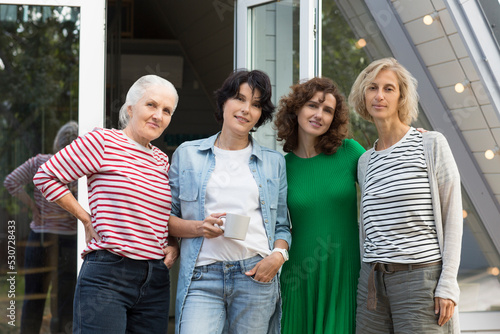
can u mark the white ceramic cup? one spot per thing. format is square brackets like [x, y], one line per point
[235, 226]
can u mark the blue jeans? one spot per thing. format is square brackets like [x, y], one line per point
[115, 294]
[222, 299]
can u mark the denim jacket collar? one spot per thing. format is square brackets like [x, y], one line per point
[210, 142]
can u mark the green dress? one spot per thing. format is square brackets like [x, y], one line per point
[318, 283]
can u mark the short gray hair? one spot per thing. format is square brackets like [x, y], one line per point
[137, 90]
[65, 136]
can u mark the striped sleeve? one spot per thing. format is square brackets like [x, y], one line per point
[82, 157]
[21, 176]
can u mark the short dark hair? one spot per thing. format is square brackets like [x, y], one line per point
[287, 122]
[257, 80]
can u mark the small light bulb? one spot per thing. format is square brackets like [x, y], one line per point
[361, 43]
[489, 154]
[494, 271]
[428, 20]
[464, 213]
[459, 87]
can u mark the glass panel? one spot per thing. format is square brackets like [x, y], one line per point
[348, 46]
[351, 40]
[274, 36]
[491, 10]
[39, 59]
[479, 281]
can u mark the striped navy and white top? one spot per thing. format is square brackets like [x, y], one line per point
[128, 186]
[397, 205]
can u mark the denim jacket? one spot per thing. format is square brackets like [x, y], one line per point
[192, 164]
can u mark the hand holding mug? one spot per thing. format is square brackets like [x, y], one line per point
[211, 225]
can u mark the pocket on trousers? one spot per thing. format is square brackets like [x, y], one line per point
[197, 274]
[271, 282]
[104, 257]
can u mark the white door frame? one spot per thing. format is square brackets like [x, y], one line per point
[91, 89]
[310, 36]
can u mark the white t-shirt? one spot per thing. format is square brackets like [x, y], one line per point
[233, 189]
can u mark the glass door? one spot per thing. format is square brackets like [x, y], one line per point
[51, 67]
[281, 39]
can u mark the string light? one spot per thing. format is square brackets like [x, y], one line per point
[460, 87]
[428, 19]
[490, 154]
[360, 43]
[493, 271]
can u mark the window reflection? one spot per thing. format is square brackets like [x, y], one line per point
[39, 48]
[346, 52]
[275, 50]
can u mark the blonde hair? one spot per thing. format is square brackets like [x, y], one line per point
[408, 99]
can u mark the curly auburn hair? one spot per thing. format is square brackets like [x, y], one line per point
[289, 106]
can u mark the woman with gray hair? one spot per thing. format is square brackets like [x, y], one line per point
[52, 238]
[410, 212]
[123, 285]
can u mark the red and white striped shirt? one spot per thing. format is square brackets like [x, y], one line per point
[129, 192]
[52, 218]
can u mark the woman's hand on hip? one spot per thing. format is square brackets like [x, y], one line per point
[209, 228]
[90, 233]
[445, 308]
[267, 268]
[69, 203]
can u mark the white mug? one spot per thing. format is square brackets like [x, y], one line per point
[235, 226]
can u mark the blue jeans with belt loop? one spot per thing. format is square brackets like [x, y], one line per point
[222, 299]
[115, 294]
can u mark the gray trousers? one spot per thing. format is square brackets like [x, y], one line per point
[405, 302]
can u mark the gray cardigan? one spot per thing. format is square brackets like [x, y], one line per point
[444, 180]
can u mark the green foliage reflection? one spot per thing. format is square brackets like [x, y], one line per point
[342, 62]
[39, 52]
